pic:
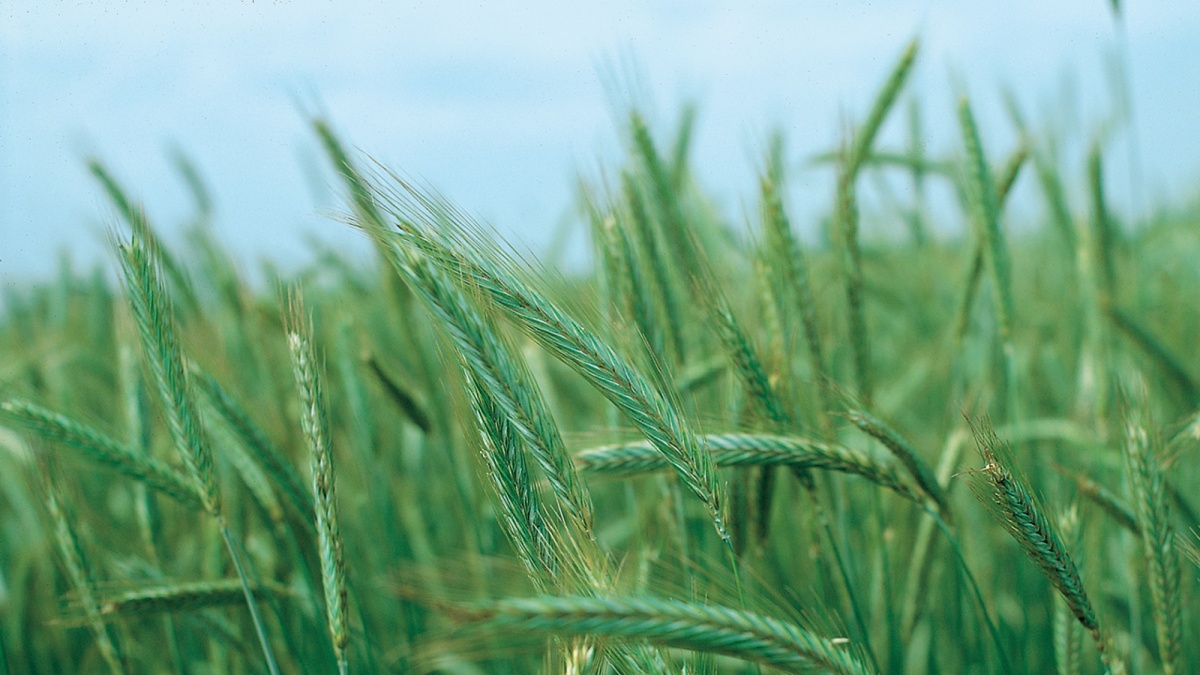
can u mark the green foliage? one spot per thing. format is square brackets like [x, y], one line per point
[710, 452]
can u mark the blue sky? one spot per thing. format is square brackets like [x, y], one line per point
[501, 105]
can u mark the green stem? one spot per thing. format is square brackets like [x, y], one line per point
[272, 666]
[962, 562]
[854, 605]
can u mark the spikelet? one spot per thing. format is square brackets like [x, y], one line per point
[314, 417]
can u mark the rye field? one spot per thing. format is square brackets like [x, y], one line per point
[728, 445]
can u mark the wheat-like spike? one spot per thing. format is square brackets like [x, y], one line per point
[903, 451]
[71, 555]
[265, 450]
[524, 521]
[1068, 640]
[698, 627]
[135, 400]
[486, 355]
[1004, 184]
[788, 270]
[626, 293]
[493, 363]
[750, 450]
[162, 597]
[742, 352]
[425, 223]
[156, 324]
[510, 413]
[644, 241]
[314, 418]
[1011, 503]
[95, 446]
[847, 215]
[852, 273]
[748, 366]
[666, 198]
[1157, 534]
[135, 217]
[986, 200]
[636, 292]
[612, 271]
[135, 403]
[864, 138]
